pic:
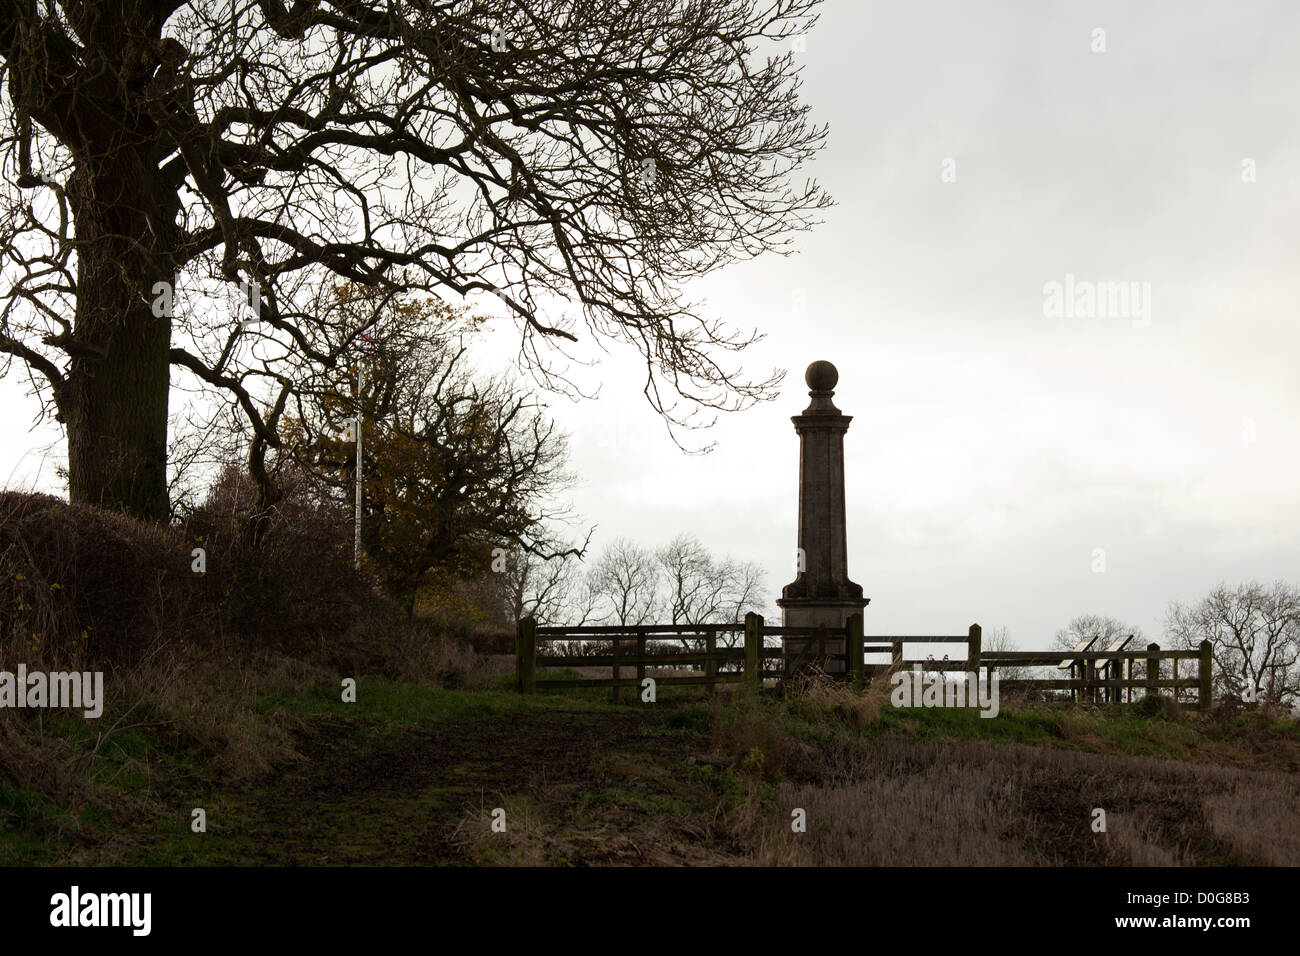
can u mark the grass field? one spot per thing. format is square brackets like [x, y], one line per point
[287, 773]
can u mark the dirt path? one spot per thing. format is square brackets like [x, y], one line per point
[615, 787]
[355, 800]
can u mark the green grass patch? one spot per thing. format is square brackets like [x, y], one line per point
[384, 702]
[688, 718]
[27, 822]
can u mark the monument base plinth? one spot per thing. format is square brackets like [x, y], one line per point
[802, 653]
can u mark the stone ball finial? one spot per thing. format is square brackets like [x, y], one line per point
[822, 376]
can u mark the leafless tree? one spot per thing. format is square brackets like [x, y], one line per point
[555, 591]
[596, 152]
[205, 441]
[699, 588]
[695, 587]
[746, 592]
[998, 638]
[624, 577]
[550, 591]
[1254, 631]
[1105, 629]
[583, 604]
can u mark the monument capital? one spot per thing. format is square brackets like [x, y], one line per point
[821, 378]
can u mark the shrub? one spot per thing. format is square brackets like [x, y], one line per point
[78, 583]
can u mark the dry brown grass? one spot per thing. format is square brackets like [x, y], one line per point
[159, 714]
[882, 792]
[821, 697]
[954, 803]
[1257, 820]
[213, 705]
[188, 701]
[561, 824]
[756, 739]
[524, 842]
[82, 587]
[756, 735]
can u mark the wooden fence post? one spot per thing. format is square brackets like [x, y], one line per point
[616, 671]
[753, 641]
[711, 665]
[853, 646]
[973, 650]
[1207, 666]
[1153, 672]
[896, 655]
[640, 664]
[526, 656]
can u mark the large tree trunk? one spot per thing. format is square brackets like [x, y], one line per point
[119, 372]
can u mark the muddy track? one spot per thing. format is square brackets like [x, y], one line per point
[615, 788]
[356, 801]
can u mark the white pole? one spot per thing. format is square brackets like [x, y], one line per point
[357, 546]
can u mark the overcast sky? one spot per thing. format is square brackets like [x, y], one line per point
[996, 446]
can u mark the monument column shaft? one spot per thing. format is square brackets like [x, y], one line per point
[821, 594]
[821, 502]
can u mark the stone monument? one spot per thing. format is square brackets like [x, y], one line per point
[821, 593]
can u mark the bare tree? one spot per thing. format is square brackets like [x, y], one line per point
[600, 152]
[583, 604]
[624, 577]
[746, 591]
[1255, 635]
[205, 441]
[695, 586]
[1105, 629]
[544, 590]
[998, 639]
[701, 589]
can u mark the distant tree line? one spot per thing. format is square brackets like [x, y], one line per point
[1253, 630]
[681, 582]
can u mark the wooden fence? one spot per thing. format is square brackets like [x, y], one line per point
[717, 654]
[1102, 675]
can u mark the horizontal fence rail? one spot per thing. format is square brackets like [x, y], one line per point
[633, 629]
[739, 653]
